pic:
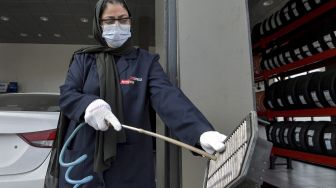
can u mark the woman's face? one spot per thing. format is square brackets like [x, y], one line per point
[115, 13]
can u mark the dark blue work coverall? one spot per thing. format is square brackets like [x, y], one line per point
[143, 83]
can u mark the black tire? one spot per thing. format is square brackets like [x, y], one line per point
[314, 136]
[271, 24]
[282, 55]
[328, 88]
[309, 5]
[286, 135]
[302, 93]
[297, 9]
[311, 33]
[319, 45]
[269, 130]
[315, 90]
[262, 64]
[276, 21]
[289, 94]
[290, 54]
[298, 51]
[278, 95]
[328, 27]
[272, 63]
[300, 46]
[308, 49]
[299, 133]
[286, 14]
[279, 20]
[330, 40]
[276, 134]
[263, 31]
[269, 97]
[265, 59]
[329, 140]
[274, 57]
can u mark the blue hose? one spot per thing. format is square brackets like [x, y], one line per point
[71, 165]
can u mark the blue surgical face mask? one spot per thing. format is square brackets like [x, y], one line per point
[116, 35]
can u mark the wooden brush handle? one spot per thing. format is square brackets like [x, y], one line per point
[170, 140]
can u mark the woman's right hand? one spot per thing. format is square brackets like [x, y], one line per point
[98, 115]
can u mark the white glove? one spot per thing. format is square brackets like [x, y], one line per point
[212, 141]
[97, 112]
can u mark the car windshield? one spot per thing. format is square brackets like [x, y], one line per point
[29, 102]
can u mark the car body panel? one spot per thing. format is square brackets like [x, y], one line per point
[23, 122]
[21, 163]
[32, 179]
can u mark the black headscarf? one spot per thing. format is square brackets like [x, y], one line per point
[106, 141]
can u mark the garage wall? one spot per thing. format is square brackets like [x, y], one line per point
[36, 67]
[215, 68]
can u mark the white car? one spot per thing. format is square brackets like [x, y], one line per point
[28, 124]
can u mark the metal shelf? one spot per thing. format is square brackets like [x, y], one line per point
[296, 65]
[262, 43]
[307, 157]
[299, 113]
[283, 35]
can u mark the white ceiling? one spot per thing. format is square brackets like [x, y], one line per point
[64, 19]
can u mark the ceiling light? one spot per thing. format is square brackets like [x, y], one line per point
[44, 18]
[90, 36]
[57, 35]
[84, 20]
[23, 34]
[4, 18]
[39, 35]
[268, 3]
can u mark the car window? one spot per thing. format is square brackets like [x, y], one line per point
[29, 102]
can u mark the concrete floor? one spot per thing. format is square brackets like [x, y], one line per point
[302, 175]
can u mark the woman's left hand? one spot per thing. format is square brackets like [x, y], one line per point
[212, 141]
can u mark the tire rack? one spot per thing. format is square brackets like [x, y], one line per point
[299, 155]
[302, 65]
[262, 43]
[265, 75]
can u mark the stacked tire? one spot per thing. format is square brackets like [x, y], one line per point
[316, 38]
[308, 136]
[315, 90]
[314, 137]
[286, 135]
[276, 132]
[299, 134]
[329, 140]
[290, 12]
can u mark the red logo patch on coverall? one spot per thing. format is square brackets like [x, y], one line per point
[130, 80]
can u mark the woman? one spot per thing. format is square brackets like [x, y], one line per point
[118, 83]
